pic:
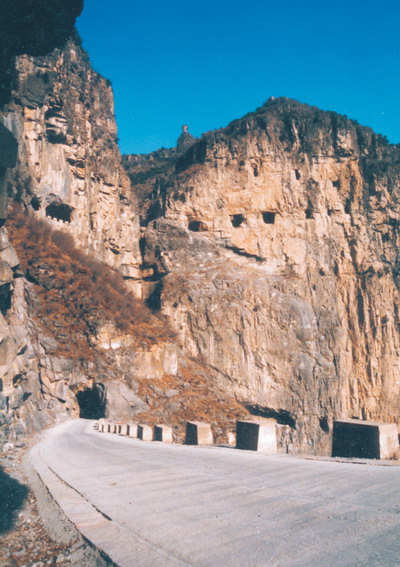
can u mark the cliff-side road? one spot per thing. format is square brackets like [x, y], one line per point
[148, 504]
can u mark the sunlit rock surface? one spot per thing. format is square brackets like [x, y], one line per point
[69, 170]
[58, 114]
[276, 248]
[271, 246]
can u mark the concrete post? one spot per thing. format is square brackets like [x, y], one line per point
[163, 433]
[133, 430]
[145, 433]
[364, 439]
[198, 433]
[123, 429]
[257, 435]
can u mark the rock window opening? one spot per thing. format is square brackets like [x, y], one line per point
[5, 298]
[282, 416]
[309, 213]
[237, 220]
[297, 174]
[92, 402]
[255, 171]
[197, 226]
[17, 379]
[59, 211]
[153, 302]
[324, 425]
[4, 188]
[268, 217]
[35, 203]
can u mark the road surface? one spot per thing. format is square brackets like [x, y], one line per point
[153, 505]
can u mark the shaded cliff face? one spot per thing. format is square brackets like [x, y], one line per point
[58, 343]
[35, 27]
[277, 253]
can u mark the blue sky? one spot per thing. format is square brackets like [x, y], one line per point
[207, 62]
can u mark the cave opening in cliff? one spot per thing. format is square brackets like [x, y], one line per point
[153, 302]
[5, 298]
[324, 424]
[197, 226]
[237, 220]
[35, 203]
[59, 211]
[92, 402]
[309, 213]
[269, 217]
[282, 416]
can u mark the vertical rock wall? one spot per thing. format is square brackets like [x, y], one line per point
[69, 169]
[59, 115]
[278, 250]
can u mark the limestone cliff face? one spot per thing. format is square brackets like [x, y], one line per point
[276, 250]
[73, 340]
[58, 114]
[69, 168]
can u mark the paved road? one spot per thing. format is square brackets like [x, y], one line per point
[217, 507]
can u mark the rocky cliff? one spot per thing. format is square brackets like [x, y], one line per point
[276, 253]
[267, 253]
[69, 166]
[75, 336]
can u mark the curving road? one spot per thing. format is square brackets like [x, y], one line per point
[153, 505]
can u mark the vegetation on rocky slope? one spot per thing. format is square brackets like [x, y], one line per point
[75, 293]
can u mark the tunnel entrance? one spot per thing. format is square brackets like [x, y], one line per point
[92, 402]
[59, 211]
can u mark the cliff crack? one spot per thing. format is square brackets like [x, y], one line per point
[241, 252]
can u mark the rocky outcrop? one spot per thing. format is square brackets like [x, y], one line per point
[276, 254]
[149, 173]
[69, 168]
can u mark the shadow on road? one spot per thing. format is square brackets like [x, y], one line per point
[12, 497]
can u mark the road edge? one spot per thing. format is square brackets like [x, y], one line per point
[69, 516]
[51, 496]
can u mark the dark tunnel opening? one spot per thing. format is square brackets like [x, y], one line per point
[92, 402]
[59, 211]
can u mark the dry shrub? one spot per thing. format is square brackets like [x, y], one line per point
[78, 293]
